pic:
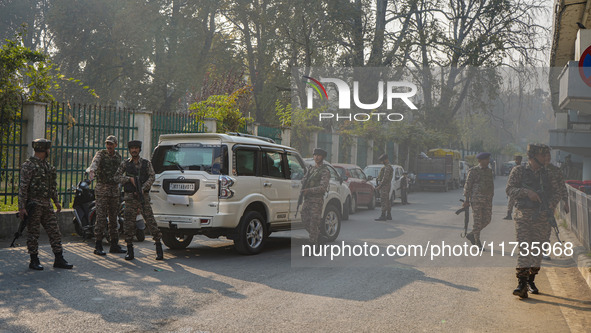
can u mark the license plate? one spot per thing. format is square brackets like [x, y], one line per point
[182, 186]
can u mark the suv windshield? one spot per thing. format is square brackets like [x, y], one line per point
[194, 156]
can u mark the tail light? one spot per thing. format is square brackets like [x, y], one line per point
[225, 184]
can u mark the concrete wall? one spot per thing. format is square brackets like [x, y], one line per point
[9, 224]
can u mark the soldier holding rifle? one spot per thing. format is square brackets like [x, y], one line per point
[316, 185]
[136, 174]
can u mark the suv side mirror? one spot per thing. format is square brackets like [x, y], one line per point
[369, 178]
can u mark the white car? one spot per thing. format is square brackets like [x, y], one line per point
[238, 186]
[374, 170]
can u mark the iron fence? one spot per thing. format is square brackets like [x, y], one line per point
[579, 217]
[77, 132]
[12, 150]
[172, 122]
[270, 132]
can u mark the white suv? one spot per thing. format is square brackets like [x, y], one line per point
[238, 186]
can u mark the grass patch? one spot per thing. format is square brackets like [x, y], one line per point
[8, 207]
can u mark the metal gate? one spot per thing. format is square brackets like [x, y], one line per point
[325, 142]
[172, 122]
[270, 132]
[77, 132]
[12, 151]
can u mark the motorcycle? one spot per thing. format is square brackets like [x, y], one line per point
[84, 206]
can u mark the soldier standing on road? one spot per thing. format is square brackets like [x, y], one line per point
[525, 185]
[478, 192]
[130, 170]
[38, 187]
[316, 185]
[511, 203]
[384, 187]
[104, 165]
[404, 188]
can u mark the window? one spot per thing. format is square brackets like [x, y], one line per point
[212, 159]
[245, 162]
[272, 164]
[296, 167]
[361, 174]
[334, 175]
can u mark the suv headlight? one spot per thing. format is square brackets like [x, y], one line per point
[225, 184]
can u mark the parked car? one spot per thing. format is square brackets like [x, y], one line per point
[373, 170]
[238, 186]
[362, 190]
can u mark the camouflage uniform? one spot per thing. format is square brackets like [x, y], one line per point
[107, 192]
[531, 224]
[557, 179]
[38, 182]
[317, 182]
[479, 191]
[385, 186]
[145, 172]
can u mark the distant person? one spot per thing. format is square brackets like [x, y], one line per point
[478, 193]
[384, 187]
[511, 203]
[404, 188]
[316, 185]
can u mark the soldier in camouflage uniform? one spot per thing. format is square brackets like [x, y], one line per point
[104, 166]
[38, 182]
[478, 192]
[384, 187]
[525, 185]
[138, 173]
[511, 203]
[316, 185]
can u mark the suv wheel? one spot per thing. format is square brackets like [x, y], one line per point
[372, 203]
[347, 209]
[252, 233]
[331, 223]
[176, 241]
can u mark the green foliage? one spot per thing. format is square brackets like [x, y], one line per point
[284, 112]
[304, 122]
[226, 109]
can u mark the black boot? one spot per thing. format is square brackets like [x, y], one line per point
[98, 248]
[382, 217]
[60, 262]
[129, 255]
[521, 289]
[508, 217]
[35, 264]
[389, 216]
[159, 253]
[471, 238]
[532, 285]
[115, 248]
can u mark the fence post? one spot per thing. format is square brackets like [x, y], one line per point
[210, 125]
[143, 121]
[286, 136]
[34, 123]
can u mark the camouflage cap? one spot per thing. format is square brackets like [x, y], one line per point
[320, 151]
[41, 145]
[111, 139]
[134, 143]
[534, 149]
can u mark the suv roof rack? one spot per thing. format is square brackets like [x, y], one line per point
[252, 136]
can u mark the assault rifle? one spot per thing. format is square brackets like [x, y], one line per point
[466, 211]
[138, 189]
[544, 207]
[301, 197]
[23, 223]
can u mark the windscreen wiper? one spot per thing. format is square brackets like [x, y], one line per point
[177, 165]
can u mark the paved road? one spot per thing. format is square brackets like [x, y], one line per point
[209, 287]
